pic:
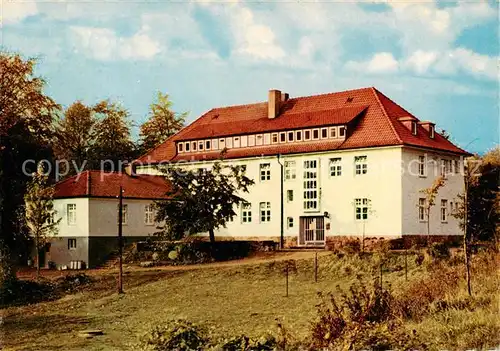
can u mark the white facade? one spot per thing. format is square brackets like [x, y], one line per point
[99, 217]
[387, 189]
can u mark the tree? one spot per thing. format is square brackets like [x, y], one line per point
[202, 200]
[74, 135]
[39, 212]
[26, 116]
[430, 200]
[162, 123]
[478, 208]
[113, 144]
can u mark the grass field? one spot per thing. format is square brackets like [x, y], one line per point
[246, 298]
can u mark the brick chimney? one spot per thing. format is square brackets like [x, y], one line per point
[273, 104]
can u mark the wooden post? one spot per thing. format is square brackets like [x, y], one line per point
[120, 241]
[406, 264]
[381, 276]
[316, 267]
[286, 278]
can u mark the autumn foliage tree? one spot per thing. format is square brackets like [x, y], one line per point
[202, 200]
[430, 194]
[26, 116]
[163, 122]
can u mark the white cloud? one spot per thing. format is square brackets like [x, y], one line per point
[382, 62]
[13, 12]
[475, 64]
[253, 39]
[105, 44]
[420, 61]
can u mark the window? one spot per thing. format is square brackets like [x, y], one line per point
[457, 166]
[124, 213]
[236, 142]
[265, 211]
[222, 143]
[180, 147]
[200, 145]
[421, 210]
[193, 145]
[361, 206]
[274, 138]
[432, 131]
[251, 140]
[71, 244]
[289, 195]
[298, 135]
[244, 140]
[207, 144]
[447, 167]
[71, 214]
[333, 132]
[188, 147]
[246, 213]
[290, 172]
[315, 134]
[335, 167]
[265, 171]
[259, 139]
[307, 135]
[444, 210]
[50, 218]
[267, 139]
[282, 137]
[229, 143]
[289, 222]
[215, 144]
[149, 214]
[421, 166]
[452, 210]
[311, 185]
[324, 133]
[414, 128]
[290, 136]
[341, 132]
[361, 167]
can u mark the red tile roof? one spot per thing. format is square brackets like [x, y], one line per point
[104, 184]
[373, 116]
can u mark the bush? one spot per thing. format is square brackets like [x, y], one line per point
[73, 282]
[22, 292]
[439, 251]
[245, 343]
[358, 309]
[178, 335]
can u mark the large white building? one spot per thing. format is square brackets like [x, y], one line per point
[340, 165]
[326, 168]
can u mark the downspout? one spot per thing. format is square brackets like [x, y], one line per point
[282, 214]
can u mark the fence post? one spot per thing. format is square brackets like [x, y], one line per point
[286, 277]
[406, 264]
[316, 267]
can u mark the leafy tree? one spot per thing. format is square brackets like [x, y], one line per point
[479, 204]
[26, 116]
[74, 135]
[430, 194]
[39, 212]
[112, 136]
[162, 124]
[202, 200]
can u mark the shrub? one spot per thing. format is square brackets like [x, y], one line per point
[178, 335]
[357, 309]
[21, 292]
[73, 282]
[245, 343]
[439, 251]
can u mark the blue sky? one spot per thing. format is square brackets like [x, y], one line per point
[437, 59]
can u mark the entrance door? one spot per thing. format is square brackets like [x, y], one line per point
[312, 231]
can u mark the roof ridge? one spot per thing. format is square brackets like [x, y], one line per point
[292, 98]
[384, 111]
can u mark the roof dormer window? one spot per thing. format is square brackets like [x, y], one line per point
[414, 127]
[341, 132]
[180, 147]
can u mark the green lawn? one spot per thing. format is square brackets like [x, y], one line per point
[235, 299]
